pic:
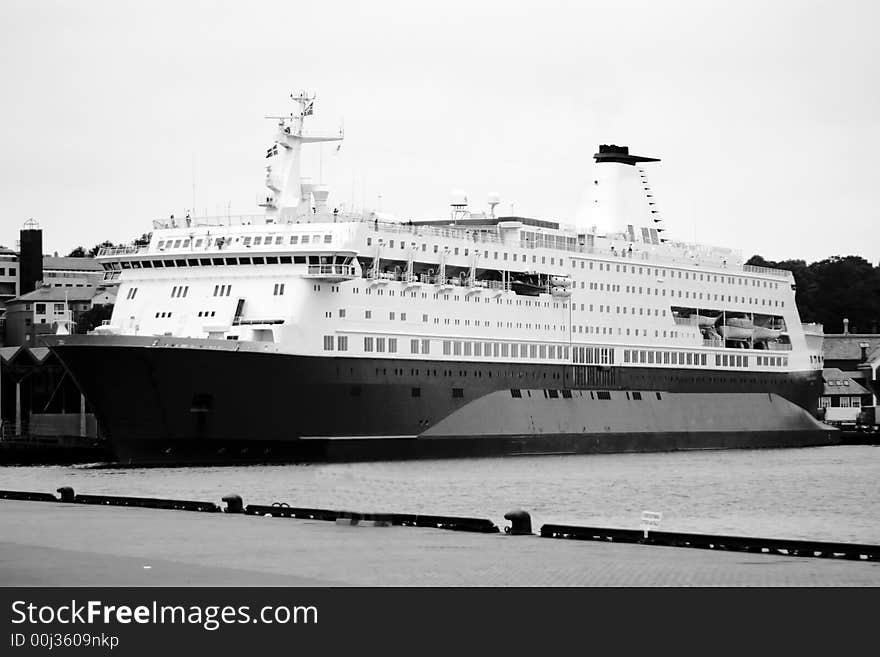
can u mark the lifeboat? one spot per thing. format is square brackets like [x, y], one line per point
[526, 288]
[735, 330]
[560, 291]
[560, 281]
[762, 333]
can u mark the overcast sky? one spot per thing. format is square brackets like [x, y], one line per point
[766, 115]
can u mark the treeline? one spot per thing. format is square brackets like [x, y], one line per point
[833, 289]
[81, 252]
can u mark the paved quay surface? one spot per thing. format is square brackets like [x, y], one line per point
[53, 544]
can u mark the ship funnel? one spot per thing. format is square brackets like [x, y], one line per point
[617, 194]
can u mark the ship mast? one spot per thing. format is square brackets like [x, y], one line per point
[289, 196]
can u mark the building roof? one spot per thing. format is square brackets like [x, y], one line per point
[836, 382]
[52, 294]
[845, 346]
[5, 250]
[71, 264]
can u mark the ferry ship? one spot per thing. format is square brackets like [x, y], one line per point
[310, 333]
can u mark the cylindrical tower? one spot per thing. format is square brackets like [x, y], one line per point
[31, 257]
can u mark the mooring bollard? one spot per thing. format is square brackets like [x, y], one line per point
[233, 504]
[520, 523]
[66, 494]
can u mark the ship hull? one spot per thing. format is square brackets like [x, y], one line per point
[180, 401]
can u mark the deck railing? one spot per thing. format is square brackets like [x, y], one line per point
[686, 255]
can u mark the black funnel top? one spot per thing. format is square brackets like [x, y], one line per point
[612, 153]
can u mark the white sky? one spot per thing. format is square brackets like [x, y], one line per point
[766, 114]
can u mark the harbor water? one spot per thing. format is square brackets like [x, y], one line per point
[825, 493]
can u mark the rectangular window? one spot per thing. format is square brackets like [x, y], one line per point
[456, 348]
[342, 343]
[458, 393]
[328, 343]
[426, 346]
[447, 347]
[478, 348]
[380, 344]
[368, 344]
[414, 346]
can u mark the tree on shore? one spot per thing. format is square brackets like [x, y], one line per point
[830, 290]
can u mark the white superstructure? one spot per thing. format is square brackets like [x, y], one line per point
[305, 278]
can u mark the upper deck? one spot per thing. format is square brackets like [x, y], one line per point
[201, 238]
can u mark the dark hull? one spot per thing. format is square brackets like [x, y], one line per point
[177, 401]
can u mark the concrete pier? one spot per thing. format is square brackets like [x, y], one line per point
[55, 544]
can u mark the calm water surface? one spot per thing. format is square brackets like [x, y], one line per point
[826, 493]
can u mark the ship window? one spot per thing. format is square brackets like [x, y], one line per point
[368, 344]
[328, 343]
[177, 243]
[244, 261]
[458, 393]
[637, 396]
[342, 343]
[294, 239]
[216, 261]
[285, 260]
[392, 345]
[272, 260]
[426, 346]
[258, 240]
[416, 392]
[603, 394]
[414, 346]
[192, 262]
[516, 394]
